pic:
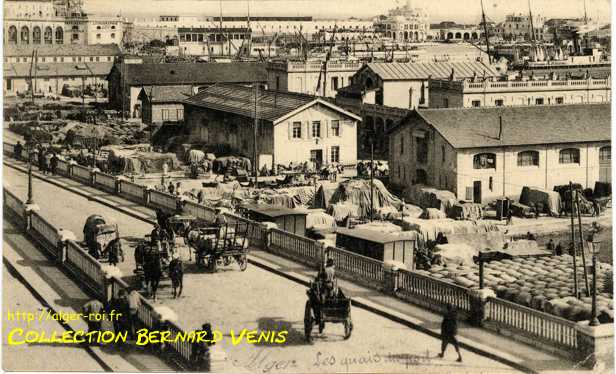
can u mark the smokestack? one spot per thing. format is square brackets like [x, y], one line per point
[500, 127]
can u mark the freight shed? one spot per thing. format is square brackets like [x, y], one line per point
[290, 220]
[397, 246]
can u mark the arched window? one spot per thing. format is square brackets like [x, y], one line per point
[48, 35]
[12, 35]
[449, 35]
[605, 154]
[59, 35]
[484, 161]
[569, 156]
[458, 35]
[528, 158]
[25, 35]
[36, 35]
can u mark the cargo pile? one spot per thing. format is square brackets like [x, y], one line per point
[541, 283]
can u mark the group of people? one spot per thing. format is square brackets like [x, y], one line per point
[46, 158]
[364, 169]
[125, 307]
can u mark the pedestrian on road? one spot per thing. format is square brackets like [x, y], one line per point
[550, 247]
[596, 209]
[509, 216]
[134, 302]
[119, 304]
[558, 250]
[171, 188]
[92, 311]
[449, 330]
[53, 163]
[17, 151]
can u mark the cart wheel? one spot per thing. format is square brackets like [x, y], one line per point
[308, 321]
[227, 260]
[243, 262]
[348, 328]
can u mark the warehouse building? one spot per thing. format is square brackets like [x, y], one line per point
[482, 154]
[127, 79]
[293, 128]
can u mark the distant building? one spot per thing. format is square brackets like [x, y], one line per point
[292, 127]
[55, 22]
[404, 24]
[382, 93]
[127, 79]
[194, 41]
[307, 76]
[57, 66]
[482, 154]
[518, 27]
[163, 104]
[467, 93]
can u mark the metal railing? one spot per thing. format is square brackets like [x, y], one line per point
[545, 327]
[14, 204]
[132, 191]
[46, 231]
[295, 247]
[432, 293]
[81, 173]
[163, 200]
[62, 167]
[200, 211]
[8, 149]
[255, 233]
[80, 263]
[105, 181]
[366, 269]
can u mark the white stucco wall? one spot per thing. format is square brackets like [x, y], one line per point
[546, 175]
[287, 149]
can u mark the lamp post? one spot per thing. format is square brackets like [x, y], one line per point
[595, 246]
[30, 200]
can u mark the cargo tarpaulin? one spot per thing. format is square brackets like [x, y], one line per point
[549, 199]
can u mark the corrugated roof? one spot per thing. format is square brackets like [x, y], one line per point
[52, 70]
[422, 71]
[167, 94]
[240, 100]
[194, 73]
[527, 125]
[45, 50]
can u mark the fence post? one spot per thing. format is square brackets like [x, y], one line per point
[479, 299]
[30, 208]
[595, 346]
[65, 236]
[390, 278]
[69, 168]
[93, 176]
[146, 196]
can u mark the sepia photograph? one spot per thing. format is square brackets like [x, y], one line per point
[307, 186]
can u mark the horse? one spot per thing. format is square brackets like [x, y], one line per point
[152, 272]
[176, 273]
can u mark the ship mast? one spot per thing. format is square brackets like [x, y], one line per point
[485, 30]
[532, 28]
[585, 14]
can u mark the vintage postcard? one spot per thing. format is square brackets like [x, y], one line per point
[307, 186]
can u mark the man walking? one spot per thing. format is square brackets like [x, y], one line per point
[449, 330]
[92, 313]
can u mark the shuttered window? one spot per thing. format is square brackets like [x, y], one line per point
[569, 156]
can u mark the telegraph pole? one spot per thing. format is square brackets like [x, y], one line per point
[256, 135]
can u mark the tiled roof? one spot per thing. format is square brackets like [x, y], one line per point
[194, 73]
[240, 100]
[167, 94]
[421, 71]
[527, 125]
[52, 70]
[44, 50]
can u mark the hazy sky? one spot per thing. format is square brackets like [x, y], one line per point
[439, 10]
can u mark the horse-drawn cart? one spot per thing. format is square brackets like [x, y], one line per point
[217, 245]
[321, 308]
[101, 238]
